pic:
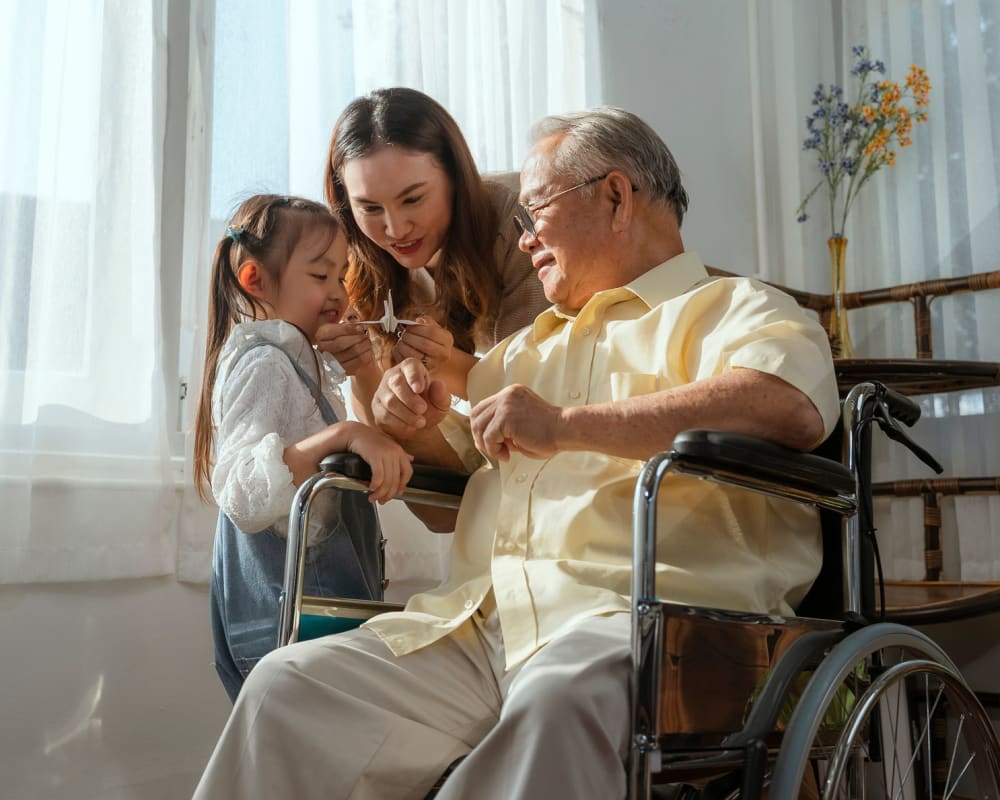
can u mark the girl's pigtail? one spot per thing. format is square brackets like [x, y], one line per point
[227, 306]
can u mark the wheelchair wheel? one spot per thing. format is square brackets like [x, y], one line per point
[887, 715]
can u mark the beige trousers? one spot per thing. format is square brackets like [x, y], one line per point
[341, 717]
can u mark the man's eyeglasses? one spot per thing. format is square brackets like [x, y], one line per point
[524, 215]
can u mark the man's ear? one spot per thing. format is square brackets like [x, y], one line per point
[252, 278]
[621, 191]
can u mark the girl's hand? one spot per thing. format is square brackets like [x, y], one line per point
[427, 342]
[348, 343]
[390, 463]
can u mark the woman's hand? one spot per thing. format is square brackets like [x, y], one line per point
[408, 400]
[348, 343]
[390, 463]
[426, 341]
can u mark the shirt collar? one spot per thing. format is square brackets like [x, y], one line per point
[665, 281]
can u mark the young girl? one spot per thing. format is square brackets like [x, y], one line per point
[272, 407]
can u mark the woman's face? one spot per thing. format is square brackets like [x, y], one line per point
[402, 201]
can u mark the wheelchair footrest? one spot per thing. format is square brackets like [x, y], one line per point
[322, 616]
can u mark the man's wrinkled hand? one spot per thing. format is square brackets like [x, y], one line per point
[515, 420]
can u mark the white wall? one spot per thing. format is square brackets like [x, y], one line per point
[684, 68]
[108, 690]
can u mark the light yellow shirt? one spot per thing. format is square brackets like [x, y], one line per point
[552, 537]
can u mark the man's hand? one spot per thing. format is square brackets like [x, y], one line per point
[408, 400]
[348, 343]
[515, 420]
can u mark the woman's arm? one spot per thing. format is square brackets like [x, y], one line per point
[351, 345]
[455, 372]
[363, 386]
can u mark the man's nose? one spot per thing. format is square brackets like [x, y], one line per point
[527, 241]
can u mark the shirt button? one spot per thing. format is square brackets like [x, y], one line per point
[521, 478]
[574, 395]
[468, 604]
[508, 546]
[586, 331]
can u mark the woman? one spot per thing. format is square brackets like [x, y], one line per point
[424, 225]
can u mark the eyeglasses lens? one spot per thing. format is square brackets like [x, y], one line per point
[523, 221]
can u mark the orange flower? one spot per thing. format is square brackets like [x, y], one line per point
[853, 142]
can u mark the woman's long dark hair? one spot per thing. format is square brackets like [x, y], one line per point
[467, 282]
[266, 228]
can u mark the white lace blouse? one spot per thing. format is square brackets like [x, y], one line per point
[260, 406]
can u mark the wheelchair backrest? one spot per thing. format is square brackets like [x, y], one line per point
[826, 598]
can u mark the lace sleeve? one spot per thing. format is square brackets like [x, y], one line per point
[250, 481]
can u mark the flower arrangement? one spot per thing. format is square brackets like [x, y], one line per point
[854, 141]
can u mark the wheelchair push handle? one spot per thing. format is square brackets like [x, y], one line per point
[900, 406]
[893, 408]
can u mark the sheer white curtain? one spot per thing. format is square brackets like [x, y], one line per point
[496, 65]
[84, 465]
[935, 214]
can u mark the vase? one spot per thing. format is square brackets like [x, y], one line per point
[836, 329]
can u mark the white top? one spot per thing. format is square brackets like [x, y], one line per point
[260, 406]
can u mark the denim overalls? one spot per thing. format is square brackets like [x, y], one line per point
[248, 569]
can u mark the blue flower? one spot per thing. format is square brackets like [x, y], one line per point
[863, 67]
[841, 128]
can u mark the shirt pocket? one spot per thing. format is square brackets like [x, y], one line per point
[632, 384]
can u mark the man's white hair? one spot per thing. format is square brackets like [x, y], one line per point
[608, 138]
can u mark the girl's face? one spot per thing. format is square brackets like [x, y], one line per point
[311, 290]
[402, 201]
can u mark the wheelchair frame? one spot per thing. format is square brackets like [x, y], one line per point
[789, 671]
[760, 745]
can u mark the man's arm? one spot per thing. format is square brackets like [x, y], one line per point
[742, 400]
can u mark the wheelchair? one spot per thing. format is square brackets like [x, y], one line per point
[832, 703]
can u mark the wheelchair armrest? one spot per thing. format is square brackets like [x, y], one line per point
[431, 486]
[425, 478]
[755, 463]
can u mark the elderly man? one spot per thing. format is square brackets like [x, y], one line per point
[520, 660]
